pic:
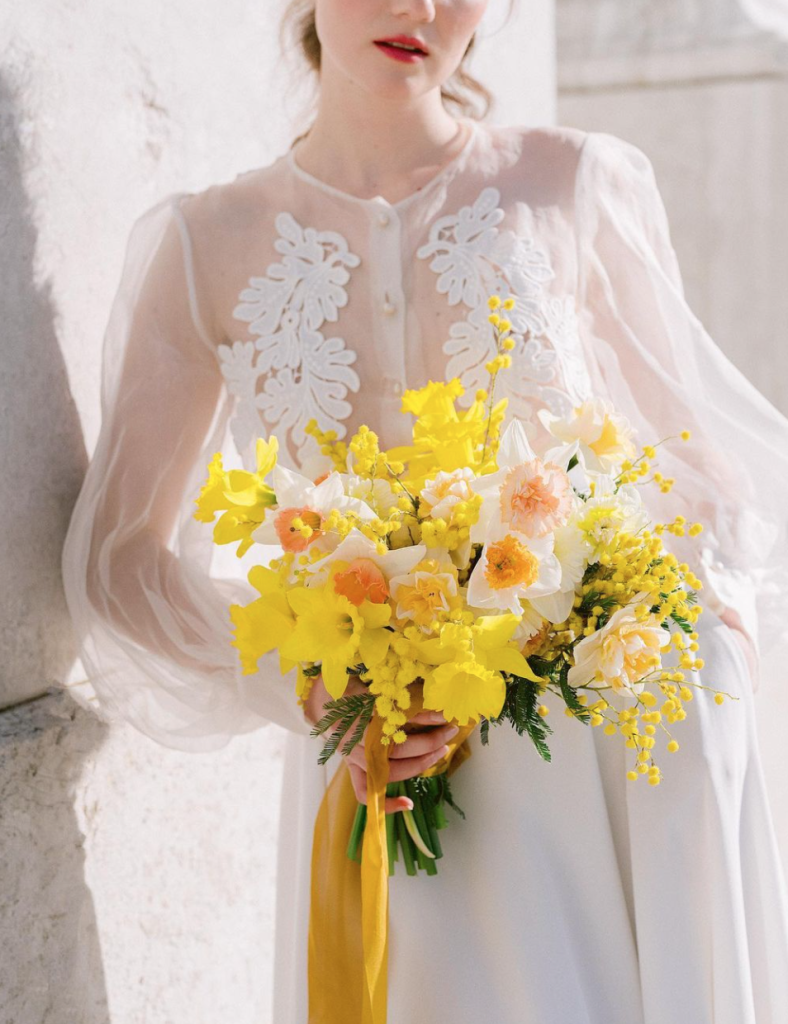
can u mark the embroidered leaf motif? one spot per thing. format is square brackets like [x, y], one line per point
[457, 241]
[304, 373]
[474, 259]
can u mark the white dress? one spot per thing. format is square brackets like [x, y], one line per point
[568, 895]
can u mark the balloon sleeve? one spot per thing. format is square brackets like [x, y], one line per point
[654, 360]
[152, 623]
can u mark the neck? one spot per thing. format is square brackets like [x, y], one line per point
[369, 144]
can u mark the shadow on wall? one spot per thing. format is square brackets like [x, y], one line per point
[50, 956]
[42, 457]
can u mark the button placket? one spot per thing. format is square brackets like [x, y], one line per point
[386, 260]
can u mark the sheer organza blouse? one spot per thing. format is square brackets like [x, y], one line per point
[252, 306]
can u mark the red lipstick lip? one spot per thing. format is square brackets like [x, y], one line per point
[406, 40]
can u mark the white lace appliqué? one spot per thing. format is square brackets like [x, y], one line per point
[306, 374]
[475, 259]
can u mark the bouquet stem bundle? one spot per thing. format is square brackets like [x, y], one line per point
[415, 832]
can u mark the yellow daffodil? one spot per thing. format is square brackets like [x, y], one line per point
[332, 630]
[436, 399]
[242, 496]
[464, 691]
[443, 438]
[265, 623]
[467, 682]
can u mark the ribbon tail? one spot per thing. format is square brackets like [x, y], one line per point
[375, 879]
[335, 949]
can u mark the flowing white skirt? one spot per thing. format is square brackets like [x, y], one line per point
[570, 895]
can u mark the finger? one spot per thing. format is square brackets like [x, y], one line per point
[423, 742]
[415, 745]
[391, 804]
[428, 718]
[358, 755]
[408, 767]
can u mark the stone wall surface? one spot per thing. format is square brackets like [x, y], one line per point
[137, 883]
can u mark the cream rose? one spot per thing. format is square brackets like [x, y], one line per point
[622, 652]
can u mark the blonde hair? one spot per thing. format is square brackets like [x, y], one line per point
[462, 91]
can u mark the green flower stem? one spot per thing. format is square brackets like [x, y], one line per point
[435, 843]
[417, 827]
[433, 821]
[392, 789]
[416, 833]
[356, 833]
[422, 816]
[406, 843]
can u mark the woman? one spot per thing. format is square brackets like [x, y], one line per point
[357, 265]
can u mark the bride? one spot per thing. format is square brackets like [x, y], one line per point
[357, 265]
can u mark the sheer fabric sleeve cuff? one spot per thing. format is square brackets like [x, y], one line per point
[152, 624]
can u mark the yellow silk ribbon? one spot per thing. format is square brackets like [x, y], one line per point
[348, 916]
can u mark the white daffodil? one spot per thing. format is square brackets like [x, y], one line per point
[609, 511]
[527, 494]
[358, 551]
[443, 491]
[297, 497]
[529, 625]
[604, 434]
[428, 591]
[512, 566]
[376, 493]
[573, 551]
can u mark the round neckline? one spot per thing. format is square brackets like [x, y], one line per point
[379, 200]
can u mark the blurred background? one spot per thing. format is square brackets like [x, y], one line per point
[139, 897]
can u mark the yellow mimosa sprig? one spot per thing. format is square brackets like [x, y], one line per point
[501, 360]
[329, 445]
[624, 721]
[395, 470]
[630, 471]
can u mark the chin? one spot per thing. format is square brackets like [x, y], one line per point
[393, 89]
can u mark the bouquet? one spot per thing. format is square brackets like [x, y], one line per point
[498, 579]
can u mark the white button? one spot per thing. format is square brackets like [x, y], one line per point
[388, 309]
[392, 386]
[383, 219]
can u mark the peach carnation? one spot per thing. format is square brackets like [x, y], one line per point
[536, 498]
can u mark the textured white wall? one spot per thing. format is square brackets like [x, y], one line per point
[702, 88]
[137, 882]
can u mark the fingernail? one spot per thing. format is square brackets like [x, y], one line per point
[442, 752]
[452, 732]
[409, 804]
